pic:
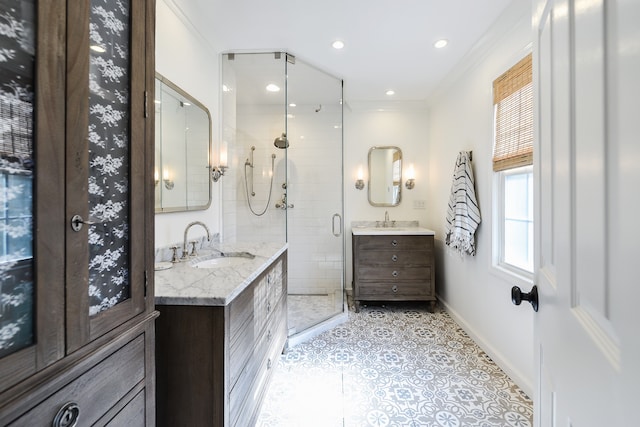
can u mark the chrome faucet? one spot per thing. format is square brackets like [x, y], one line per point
[386, 220]
[186, 230]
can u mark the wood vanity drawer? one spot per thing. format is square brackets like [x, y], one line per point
[393, 259]
[97, 390]
[401, 243]
[266, 358]
[394, 275]
[390, 291]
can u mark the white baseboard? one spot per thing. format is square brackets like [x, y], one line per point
[504, 364]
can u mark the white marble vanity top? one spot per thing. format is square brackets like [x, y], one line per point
[397, 228]
[390, 231]
[184, 284]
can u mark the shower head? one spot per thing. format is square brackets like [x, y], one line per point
[281, 141]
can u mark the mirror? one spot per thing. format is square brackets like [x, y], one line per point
[182, 150]
[385, 176]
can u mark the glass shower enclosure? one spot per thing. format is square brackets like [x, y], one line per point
[282, 130]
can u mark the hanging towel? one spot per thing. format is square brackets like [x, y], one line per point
[463, 214]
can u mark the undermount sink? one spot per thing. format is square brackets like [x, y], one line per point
[220, 262]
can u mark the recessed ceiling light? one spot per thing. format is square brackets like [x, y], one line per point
[441, 43]
[292, 105]
[273, 88]
[390, 92]
[338, 44]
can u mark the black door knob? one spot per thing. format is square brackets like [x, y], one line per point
[517, 296]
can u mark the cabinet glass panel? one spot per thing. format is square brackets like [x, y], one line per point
[17, 49]
[109, 130]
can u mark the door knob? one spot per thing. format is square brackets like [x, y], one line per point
[517, 296]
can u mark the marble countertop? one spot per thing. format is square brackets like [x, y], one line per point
[184, 284]
[396, 228]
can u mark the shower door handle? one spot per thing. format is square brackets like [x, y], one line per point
[333, 225]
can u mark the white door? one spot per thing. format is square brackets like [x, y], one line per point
[587, 165]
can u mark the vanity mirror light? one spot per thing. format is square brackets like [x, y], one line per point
[182, 150]
[385, 176]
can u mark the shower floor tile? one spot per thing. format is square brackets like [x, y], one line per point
[393, 365]
[308, 310]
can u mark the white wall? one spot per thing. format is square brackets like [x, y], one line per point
[461, 119]
[189, 62]
[403, 125]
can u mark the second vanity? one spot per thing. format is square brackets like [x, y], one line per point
[219, 334]
[393, 264]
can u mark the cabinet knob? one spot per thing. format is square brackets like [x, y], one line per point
[394, 288]
[269, 363]
[395, 273]
[394, 242]
[394, 258]
[67, 416]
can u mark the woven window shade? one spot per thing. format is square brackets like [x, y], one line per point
[513, 102]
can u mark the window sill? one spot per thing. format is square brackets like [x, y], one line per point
[511, 275]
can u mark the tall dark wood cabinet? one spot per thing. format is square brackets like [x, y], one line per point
[76, 212]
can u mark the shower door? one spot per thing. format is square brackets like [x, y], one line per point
[314, 190]
[287, 187]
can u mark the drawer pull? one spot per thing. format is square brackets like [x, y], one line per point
[268, 307]
[394, 242]
[394, 258]
[67, 416]
[394, 288]
[269, 335]
[394, 274]
[269, 363]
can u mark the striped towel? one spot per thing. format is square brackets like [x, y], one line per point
[463, 214]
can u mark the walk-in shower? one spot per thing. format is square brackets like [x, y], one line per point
[267, 94]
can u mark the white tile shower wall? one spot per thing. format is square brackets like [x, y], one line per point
[312, 268]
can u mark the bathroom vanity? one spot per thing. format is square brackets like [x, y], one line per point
[219, 334]
[393, 264]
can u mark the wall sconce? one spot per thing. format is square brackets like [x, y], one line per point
[168, 182]
[156, 177]
[217, 172]
[411, 181]
[360, 181]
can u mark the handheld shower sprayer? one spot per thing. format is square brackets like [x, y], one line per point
[249, 184]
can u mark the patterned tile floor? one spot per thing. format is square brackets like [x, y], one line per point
[392, 365]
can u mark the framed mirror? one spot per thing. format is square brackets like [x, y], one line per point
[385, 176]
[182, 150]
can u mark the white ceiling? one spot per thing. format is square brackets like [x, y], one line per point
[388, 43]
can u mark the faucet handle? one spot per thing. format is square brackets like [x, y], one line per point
[193, 248]
[174, 257]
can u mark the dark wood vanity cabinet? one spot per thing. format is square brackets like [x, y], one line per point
[76, 163]
[214, 362]
[393, 268]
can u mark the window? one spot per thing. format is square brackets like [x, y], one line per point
[512, 165]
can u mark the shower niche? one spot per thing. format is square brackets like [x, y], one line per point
[282, 129]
